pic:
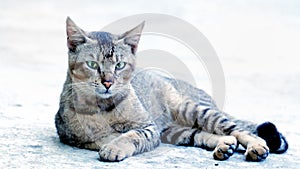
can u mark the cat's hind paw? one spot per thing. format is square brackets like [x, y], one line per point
[256, 152]
[225, 148]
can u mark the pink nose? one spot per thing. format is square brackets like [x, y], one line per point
[107, 84]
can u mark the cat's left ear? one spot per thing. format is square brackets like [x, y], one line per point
[132, 37]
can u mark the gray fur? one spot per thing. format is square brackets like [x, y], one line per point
[109, 105]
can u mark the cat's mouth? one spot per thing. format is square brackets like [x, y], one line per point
[104, 93]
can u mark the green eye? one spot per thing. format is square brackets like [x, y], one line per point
[120, 65]
[92, 64]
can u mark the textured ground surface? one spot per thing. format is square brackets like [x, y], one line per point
[259, 57]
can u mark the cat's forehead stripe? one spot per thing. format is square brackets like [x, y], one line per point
[104, 39]
[106, 43]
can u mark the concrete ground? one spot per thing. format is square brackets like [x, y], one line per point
[256, 44]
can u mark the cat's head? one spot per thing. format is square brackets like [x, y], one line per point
[101, 62]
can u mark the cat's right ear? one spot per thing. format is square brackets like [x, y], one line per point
[76, 36]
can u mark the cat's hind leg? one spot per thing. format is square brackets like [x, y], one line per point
[256, 147]
[215, 121]
[223, 146]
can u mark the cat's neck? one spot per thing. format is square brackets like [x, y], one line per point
[108, 104]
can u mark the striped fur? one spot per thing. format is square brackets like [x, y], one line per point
[110, 106]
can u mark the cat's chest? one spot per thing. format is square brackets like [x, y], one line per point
[106, 123]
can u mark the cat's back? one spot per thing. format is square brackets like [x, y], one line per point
[152, 87]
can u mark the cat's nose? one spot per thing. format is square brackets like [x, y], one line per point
[107, 83]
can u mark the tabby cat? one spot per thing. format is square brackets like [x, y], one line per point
[109, 105]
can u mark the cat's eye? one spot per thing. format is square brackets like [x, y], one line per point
[92, 64]
[120, 65]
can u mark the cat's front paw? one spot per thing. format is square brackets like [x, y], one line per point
[257, 152]
[114, 153]
[225, 148]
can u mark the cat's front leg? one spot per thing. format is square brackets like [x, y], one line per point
[130, 143]
[117, 150]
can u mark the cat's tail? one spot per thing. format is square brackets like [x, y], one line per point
[275, 140]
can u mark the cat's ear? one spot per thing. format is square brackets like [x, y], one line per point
[76, 36]
[132, 37]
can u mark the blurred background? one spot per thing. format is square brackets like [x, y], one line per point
[257, 43]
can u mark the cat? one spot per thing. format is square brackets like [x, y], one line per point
[109, 105]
